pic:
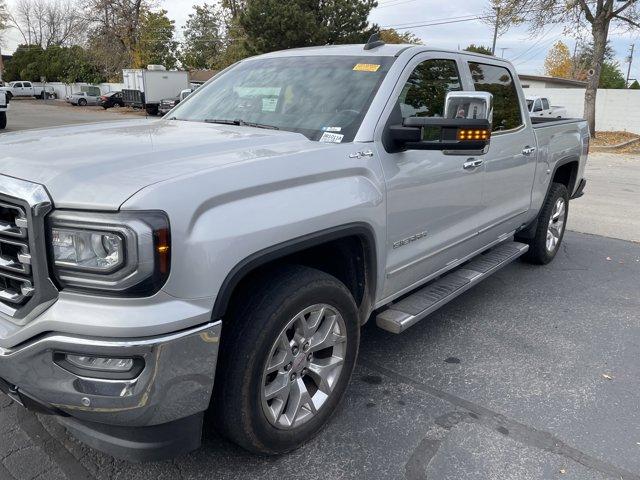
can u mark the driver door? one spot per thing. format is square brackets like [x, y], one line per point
[433, 197]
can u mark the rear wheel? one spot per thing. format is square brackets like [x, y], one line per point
[152, 110]
[3, 120]
[288, 353]
[550, 228]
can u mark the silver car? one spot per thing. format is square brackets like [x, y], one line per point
[83, 99]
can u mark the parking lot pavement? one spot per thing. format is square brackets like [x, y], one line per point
[506, 382]
[610, 205]
[26, 113]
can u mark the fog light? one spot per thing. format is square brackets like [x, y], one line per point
[101, 364]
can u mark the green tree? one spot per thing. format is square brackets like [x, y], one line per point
[55, 63]
[391, 35]
[156, 44]
[635, 85]
[611, 76]
[204, 38]
[276, 25]
[479, 49]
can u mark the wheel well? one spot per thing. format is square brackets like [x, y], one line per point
[566, 174]
[350, 259]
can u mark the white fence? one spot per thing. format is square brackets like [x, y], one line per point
[616, 110]
[64, 89]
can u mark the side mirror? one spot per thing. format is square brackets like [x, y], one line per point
[465, 126]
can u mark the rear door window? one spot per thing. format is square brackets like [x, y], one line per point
[26, 85]
[545, 104]
[498, 81]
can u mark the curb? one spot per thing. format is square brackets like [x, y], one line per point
[613, 148]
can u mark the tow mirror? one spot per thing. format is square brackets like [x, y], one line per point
[465, 126]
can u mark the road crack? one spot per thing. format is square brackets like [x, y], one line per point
[519, 432]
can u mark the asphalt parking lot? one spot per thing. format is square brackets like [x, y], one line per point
[534, 374]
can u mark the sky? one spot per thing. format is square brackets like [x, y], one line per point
[527, 52]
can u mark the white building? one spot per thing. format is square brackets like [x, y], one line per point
[540, 81]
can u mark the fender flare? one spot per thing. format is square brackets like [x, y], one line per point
[360, 229]
[529, 231]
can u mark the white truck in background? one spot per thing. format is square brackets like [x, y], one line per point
[541, 107]
[27, 89]
[146, 88]
[4, 105]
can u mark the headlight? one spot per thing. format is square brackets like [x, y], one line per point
[87, 250]
[127, 252]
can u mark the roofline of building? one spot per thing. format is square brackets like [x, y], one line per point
[542, 78]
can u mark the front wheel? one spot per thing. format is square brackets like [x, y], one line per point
[551, 226]
[287, 356]
[82, 102]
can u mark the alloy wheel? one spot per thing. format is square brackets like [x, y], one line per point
[303, 366]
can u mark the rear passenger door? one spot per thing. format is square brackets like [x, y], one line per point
[510, 164]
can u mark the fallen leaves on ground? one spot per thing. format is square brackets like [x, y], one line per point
[610, 139]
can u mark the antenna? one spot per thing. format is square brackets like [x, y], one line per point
[374, 42]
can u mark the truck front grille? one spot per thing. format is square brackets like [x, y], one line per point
[25, 286]
[16, 280]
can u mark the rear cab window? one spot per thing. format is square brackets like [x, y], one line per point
[497, 80]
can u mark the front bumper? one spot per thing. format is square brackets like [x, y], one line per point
[174, 387]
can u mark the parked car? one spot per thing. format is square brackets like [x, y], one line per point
[111, 99]
[28, 89]
[249, 236]
[83, 99]
[541, 107]
[4, 106]
[167, 104]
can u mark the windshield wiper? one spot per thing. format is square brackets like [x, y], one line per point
[241, 123]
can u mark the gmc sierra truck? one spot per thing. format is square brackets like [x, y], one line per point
[223, 258]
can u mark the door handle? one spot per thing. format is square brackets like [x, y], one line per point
[472, 163]
[528, 150]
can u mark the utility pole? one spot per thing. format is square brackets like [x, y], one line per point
[495, 31]
[633, 46]
[503, 49]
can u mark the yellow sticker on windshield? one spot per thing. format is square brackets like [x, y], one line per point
[366, 67]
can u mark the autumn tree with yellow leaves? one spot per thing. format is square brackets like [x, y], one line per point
[558, 62]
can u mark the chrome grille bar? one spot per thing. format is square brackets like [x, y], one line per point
[25, 287]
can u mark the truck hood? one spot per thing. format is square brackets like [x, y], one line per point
[100, 166]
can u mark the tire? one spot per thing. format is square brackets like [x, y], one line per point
[3, 120]
[255, 336]
[82, 102]
[9, 96]
[549, 232]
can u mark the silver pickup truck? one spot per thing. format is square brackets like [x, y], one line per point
[223, 258]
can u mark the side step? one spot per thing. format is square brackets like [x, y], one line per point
[410, 310]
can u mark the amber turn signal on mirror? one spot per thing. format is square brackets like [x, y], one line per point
[473, 134]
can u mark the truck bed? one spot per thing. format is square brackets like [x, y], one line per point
[542, 122]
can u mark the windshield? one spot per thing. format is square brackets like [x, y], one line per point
[323, 97]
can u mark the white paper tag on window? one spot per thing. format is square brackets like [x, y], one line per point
[331, 137]
[269, 104]
[331, 129]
